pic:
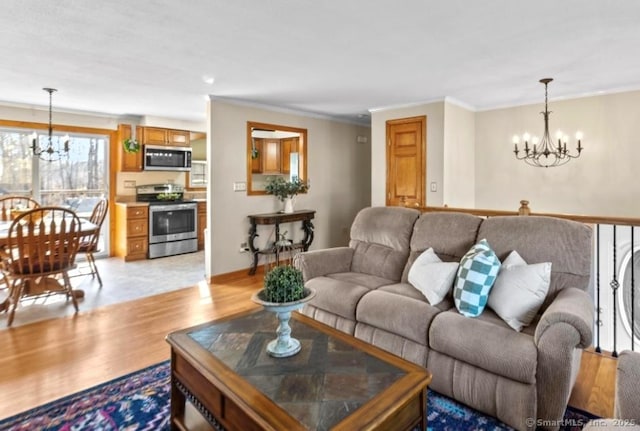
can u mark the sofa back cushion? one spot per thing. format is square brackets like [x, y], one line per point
[564, 243]
[450, 235]
[380, 238]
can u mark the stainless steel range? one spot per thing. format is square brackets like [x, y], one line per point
[173, 221]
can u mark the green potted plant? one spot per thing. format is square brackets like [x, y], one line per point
[283, 293]
[285, 190]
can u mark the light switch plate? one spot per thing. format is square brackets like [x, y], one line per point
[239, 186]
[129, 184]
[434, 186]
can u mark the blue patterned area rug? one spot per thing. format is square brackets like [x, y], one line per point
[140, 401]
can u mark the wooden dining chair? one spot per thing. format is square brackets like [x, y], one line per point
[11, 205]
[41, 248]
[89, 245]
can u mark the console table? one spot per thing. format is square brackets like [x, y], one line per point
[305, 216]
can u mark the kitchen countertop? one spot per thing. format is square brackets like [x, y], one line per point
[133, 204]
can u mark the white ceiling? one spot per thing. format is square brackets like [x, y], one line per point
[334, 57]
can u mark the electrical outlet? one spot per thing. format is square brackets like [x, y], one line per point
[129, 184]
[244, 248]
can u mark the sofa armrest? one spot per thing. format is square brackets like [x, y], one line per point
[627, 402]
[317, 263]
[573, 307]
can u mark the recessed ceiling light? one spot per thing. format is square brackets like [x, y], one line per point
[208, 79]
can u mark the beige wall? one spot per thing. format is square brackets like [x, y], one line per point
[458, 187]
[435, 149]
[602, 181]
[339, 170]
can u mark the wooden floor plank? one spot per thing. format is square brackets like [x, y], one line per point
[46, 360]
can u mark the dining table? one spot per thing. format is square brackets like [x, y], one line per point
[86, 230]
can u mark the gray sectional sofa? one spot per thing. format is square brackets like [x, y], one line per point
[514, 376]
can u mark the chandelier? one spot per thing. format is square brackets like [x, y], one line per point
[52, 151]
[543, 153]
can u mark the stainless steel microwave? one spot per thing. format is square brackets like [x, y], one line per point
[161, 158]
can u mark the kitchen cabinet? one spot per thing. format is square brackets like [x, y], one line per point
[202, 223]
[270, 157]
[273, 155]
[288, 146]
[132, 231]
[128, 162]
[168, 137]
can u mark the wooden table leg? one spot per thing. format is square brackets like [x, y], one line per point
[178, 400]
[252, 236]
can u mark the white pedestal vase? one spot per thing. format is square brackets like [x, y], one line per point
[285, 345]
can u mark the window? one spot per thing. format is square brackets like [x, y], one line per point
[77, 181]
[16, 173]
[68, 181]
[198, 174]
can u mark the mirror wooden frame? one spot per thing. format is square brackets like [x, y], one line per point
[302, 150]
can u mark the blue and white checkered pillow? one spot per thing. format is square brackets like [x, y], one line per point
[477, 272]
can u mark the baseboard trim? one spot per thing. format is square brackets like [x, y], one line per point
[235, 275]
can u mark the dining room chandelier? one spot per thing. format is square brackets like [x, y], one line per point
[544, 153]
[56, 147]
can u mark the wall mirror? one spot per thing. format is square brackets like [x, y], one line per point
[197, 178]
[274, 150]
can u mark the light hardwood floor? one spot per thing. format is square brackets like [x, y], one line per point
[46, 360]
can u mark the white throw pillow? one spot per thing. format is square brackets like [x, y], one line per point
[432, 277]
[519, 290]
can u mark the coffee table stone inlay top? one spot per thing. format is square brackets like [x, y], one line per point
[326, 382]
[319, 386]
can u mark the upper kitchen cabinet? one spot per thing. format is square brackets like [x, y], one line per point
[169, 137]
[266, 156]
[288, 146]
[270, 158]
[128, 161]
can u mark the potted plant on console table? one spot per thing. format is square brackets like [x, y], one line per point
[283, 293]
[285, 190]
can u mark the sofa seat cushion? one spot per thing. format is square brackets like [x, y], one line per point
[367, 280]
[486, 342]
[406, 289]
[339, 293]
[397, 314]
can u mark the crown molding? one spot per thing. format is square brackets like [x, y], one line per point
[599, 93]
[460, 103]
[405, 105]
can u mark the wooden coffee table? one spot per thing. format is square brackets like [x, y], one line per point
[336, 382]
